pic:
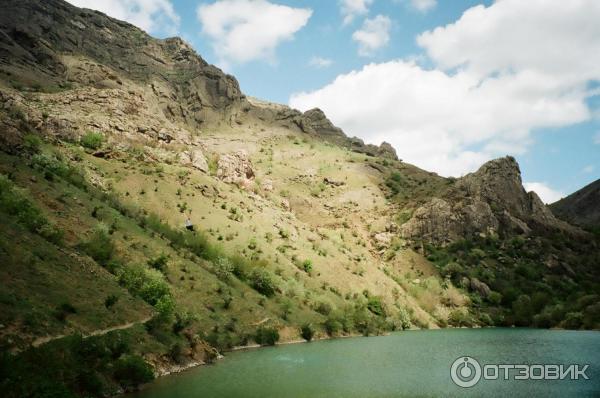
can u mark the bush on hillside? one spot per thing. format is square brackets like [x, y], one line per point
[13, 202]
[32, 143]
[92, 140]
[131, 371]
[376, 306]
[99, 246]
[262, 281]
[332, 326]
[148, 284]
[223, 268]
[266, 336]
[159, 262]
[307, 332]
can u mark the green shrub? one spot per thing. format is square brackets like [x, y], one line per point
[15, 203]
[241, 267]
[99, 246]
[573, 320]
[223, 268]
[404, 319]
[307, 332]
[332, 326]
[148, 285]
[63, 310]
[522, 310]
[182, 321]
[32, 143]
[159, 263]
[92, 140]
[49, 164]
[176, 352]
[307, 266]
[376, 306]
[459, 318]
[266, 336]
[495, 298]
[110, 301]
[131, 371]
[51, 233]
[262, 281]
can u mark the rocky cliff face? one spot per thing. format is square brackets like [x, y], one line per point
[491, 200]
[581, 207]
[51, 45]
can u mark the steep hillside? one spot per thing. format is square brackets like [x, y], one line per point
[580, 208]
[112, 140]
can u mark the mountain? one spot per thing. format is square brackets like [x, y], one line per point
[580, 208]
[490, 201]
[113, 141]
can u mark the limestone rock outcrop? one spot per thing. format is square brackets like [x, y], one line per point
[194, 158]
[235, 168]
[491, 200]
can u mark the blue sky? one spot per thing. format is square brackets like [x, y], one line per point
[449, 83]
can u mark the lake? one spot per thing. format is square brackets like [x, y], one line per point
[403, 364]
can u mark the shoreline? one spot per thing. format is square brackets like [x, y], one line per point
[180, 368]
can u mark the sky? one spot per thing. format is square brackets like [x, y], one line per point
[449, 83]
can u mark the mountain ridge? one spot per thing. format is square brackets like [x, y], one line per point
[113, 142]
[580, 207]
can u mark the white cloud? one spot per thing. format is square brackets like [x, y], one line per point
[499, 72]
[246, 30]
[547, 194]
[588, 169]
[353, 8]
[557, 37]
[433, 119]
[373, 35]
[153, 16]
[319, 62]
[597, 138]
[423, 5]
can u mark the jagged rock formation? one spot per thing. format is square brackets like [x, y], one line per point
[235, 168]
[581, 207]
[491, 200]
[316, 123]
[52, 45]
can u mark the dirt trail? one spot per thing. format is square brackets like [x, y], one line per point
[46, 339]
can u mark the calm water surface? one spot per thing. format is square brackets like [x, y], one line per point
[404, 364]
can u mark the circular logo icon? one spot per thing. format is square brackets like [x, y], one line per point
[465, 372]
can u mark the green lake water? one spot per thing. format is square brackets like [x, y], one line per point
[403, 364]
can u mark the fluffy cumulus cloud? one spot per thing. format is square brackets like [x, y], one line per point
[547, 194]
[498, 73]
[246, 30]
[320, 62]
[154, 16]
[423, 5]
[373, 35]
[350, 9]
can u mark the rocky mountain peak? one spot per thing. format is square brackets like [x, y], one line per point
[498, 182]
[491, 200]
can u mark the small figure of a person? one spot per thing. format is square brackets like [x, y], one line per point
[188, 224]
